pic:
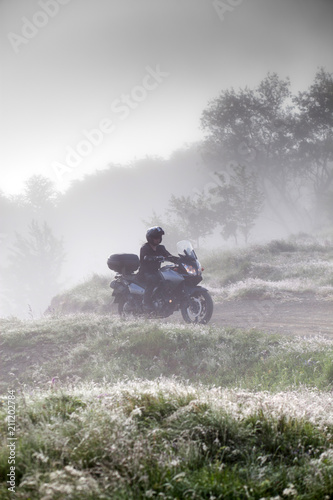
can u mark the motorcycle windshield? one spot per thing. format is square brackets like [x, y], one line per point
[185, 247]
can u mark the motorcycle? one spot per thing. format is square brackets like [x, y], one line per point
[177, 290]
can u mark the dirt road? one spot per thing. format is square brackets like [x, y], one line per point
[302, 316]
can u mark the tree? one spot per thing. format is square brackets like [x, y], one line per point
[237, 203]
[35, 262]
[314, 131]
[256, 128]
[193, 215]
[9, 215]
[186, 218]
[40, 194]
[328, 207]
[173, 232]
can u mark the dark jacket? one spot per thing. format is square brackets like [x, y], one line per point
[150, 266]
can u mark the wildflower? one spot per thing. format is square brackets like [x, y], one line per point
[136, 411]
[290, 491]
[40, 456]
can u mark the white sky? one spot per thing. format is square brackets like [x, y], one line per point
[89, 53]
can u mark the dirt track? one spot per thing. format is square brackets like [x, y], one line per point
[303, 316]
[299, 316]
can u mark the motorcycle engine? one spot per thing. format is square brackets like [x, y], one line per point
[163, 304]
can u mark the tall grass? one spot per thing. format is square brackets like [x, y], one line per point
[279, 269]
[91, 295]
[130, 410]
[167, 439]
[112, 409]
[95, 347]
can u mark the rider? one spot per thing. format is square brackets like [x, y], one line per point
[150, 263]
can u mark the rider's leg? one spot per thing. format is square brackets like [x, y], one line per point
[151, 281]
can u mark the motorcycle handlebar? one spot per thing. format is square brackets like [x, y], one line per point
[172, 258]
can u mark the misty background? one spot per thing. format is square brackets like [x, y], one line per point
[211, 118]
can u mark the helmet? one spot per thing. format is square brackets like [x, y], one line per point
[154, 232]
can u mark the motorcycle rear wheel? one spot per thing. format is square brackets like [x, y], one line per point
[123, 309]
[199, 308]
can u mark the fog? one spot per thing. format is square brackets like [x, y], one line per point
[104, 104]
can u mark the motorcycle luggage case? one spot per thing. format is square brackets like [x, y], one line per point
[123, 262]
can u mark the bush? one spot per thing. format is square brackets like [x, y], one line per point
[91, 296]
[278, 246]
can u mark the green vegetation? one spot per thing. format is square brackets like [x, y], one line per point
[107, 408]
[114, 409]
[93, 347]
[92, 295]
[281, 268]
[166, 439]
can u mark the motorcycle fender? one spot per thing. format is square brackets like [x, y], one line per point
[190, 289]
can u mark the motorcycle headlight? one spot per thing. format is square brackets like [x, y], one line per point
[190, 269]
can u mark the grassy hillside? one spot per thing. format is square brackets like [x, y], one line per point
[92, 295]
[93, 347]
[281, 269]
[166, 439]
[102, 408]
[127, 410]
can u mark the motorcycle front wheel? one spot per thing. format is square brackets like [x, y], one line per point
[198, 308]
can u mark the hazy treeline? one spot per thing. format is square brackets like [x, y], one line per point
[100, 215]
[284, 141]
[264, 170]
